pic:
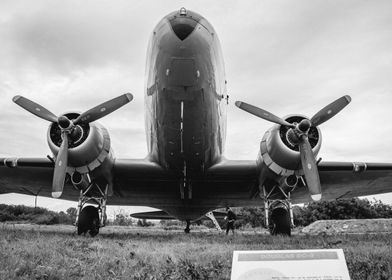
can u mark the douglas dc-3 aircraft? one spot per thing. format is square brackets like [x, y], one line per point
[185, 173]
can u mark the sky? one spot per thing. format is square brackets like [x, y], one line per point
[284, 56]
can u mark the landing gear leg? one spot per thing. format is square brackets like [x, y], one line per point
[187, 229]
[90, 218]
[211, 216]
[281, 219]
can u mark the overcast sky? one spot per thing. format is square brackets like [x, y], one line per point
[284, 56]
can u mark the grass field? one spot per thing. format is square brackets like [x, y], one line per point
[158, 254]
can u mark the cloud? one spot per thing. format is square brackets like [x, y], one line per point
[62, 37]
[284, 56]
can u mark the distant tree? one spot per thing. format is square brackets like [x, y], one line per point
[340, 209]
[26, 214]
[71, 212]
[168, 223]
[353, 208]
[144, 223]
[122, 220]
[382, 210]
[250, 216]
[208, 223]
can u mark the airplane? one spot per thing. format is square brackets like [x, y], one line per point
[185, 173]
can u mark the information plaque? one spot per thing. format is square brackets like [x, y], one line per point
[323, 264]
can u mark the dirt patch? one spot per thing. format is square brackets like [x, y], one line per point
[349, 226]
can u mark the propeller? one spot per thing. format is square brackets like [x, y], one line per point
[258, 112]
[60, 167]
[299, 134]
[68, 127]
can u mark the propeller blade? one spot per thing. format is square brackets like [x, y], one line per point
[309, 167]
[330, 110]
[262, 113]
[60, 168]
[104, 109]
[35, 108]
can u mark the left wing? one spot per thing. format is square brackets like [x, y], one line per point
[338, 180]
[349, 179]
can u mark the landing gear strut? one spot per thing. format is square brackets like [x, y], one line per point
[211, 216]
[281, 219]
[187, 229]
[90, 218]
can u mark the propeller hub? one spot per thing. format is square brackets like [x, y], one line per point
[64, 122]
[304, 125]
[292, 138]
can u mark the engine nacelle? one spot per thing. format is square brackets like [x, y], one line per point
[89, 145]
[282, 156]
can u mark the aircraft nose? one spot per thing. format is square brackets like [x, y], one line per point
[183, 25]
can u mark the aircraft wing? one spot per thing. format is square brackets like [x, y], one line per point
[136, 182]
[338, 180]
[33, 176]
[231, 182]
[349, 179]
[153, 215]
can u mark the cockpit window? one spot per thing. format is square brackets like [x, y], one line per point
[183, 26]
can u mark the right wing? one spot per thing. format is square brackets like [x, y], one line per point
[34, 176]
[31, 176]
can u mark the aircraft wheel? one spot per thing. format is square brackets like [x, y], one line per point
[88, 221]
[280, 222]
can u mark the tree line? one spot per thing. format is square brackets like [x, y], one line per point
[339, 209]
[43, 216]
[35, 215]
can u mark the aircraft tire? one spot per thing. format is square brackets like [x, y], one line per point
[88, 221]
[280, 222]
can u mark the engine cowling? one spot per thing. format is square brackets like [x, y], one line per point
[280, 154]
[89, 145]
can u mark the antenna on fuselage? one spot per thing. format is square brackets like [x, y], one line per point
[182, 11]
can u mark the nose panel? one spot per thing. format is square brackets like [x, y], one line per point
[183, 26]
[182, 72]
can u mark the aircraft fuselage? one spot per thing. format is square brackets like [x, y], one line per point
[185, 95]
